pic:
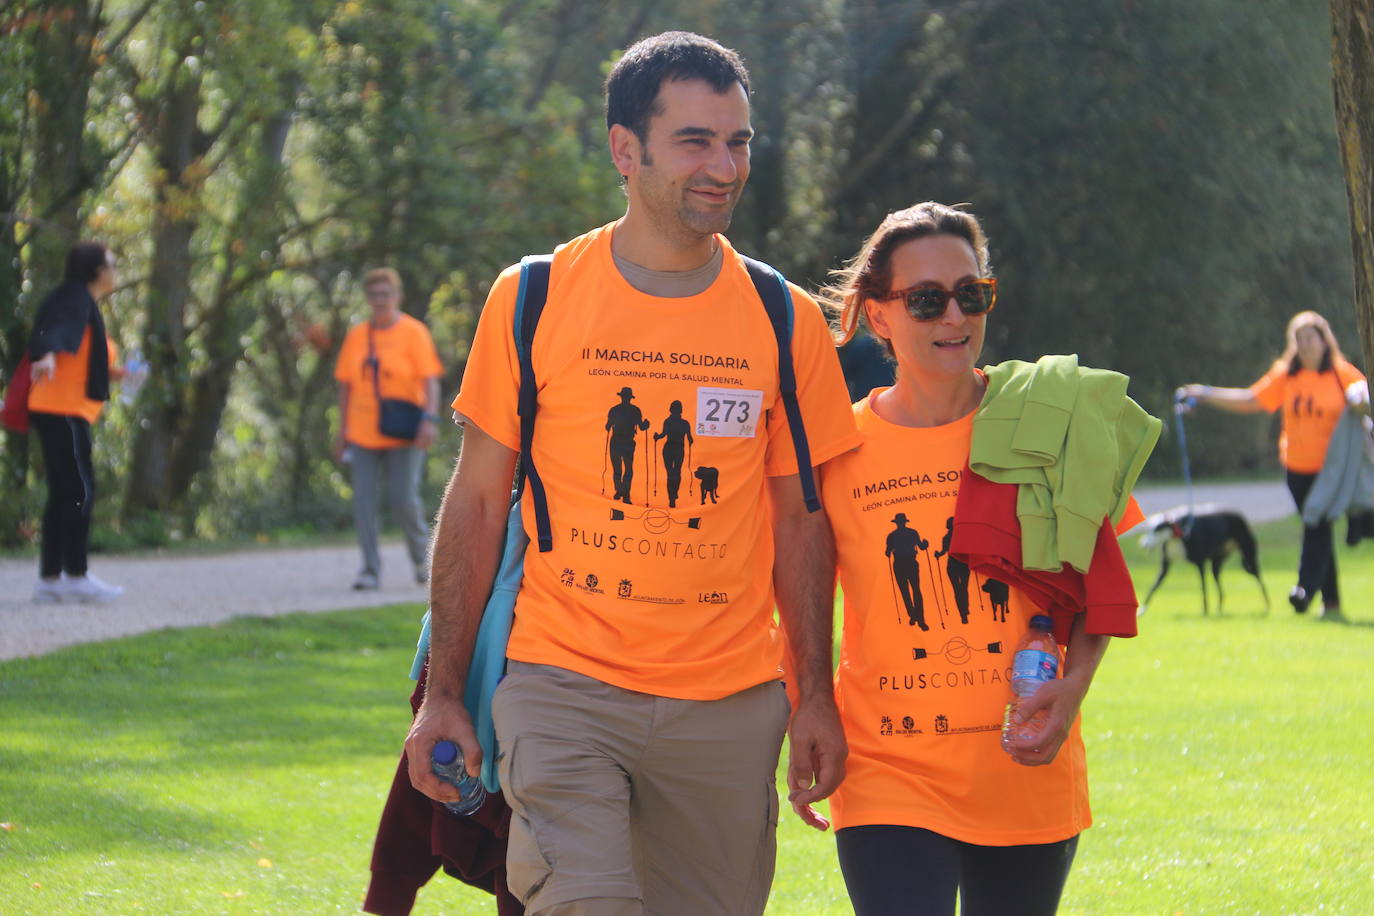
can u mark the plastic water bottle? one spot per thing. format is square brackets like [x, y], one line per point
[135, 374]
[1035, 662]
[447, 763]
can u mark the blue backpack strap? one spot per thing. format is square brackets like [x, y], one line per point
[777, 302]
[529, 305]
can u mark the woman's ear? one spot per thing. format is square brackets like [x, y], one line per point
[877, 319]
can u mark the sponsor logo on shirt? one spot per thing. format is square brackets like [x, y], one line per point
[626, 590]
[589, 583]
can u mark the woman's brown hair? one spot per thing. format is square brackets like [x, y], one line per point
[1301, 321]
[869, 274]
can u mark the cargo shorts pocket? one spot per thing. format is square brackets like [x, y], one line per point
[528, 868]
[766, 859]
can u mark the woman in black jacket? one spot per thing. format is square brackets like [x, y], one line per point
[72, 359]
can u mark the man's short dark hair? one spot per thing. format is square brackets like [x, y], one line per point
[632, 88]
[85, 260]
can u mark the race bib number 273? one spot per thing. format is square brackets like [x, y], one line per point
[728, 412]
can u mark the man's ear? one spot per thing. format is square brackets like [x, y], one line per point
[626, 150]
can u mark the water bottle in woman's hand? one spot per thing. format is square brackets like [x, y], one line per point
[1036, 661]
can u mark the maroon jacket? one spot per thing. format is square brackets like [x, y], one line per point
[418, 835]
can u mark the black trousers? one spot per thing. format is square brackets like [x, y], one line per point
[908, 871]
[66, 445]
[1317, 565]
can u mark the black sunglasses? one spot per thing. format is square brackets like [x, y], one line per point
[926, 302]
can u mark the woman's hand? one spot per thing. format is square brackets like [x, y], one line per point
[1061, 699]
[1186, 397]
[42, 370]
[1357, 396]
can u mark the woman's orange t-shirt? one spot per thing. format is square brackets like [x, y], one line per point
[64, 393]
[408, 360]
[1312, 403]
[663, 585]
[922, 709]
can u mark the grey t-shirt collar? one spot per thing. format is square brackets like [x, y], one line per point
[671, 284]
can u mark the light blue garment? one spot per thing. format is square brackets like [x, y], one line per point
[489, 652]
[1345, 483]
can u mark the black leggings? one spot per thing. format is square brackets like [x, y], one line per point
[908, 871]
[1317, 566]
[66, 445]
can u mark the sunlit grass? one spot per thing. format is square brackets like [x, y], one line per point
[240, 769]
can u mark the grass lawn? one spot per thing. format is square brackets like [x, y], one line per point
[240, 769]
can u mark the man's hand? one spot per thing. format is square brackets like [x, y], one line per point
[1061, 698]
[815, 761]
[43, 369]
[440, 718]
[426, 434]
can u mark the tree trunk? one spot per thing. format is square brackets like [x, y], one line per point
[1352, 69]
[176, 142]
[57, 73]
[233, 311]
[62, 70]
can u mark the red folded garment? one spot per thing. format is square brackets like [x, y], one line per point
[987, 536]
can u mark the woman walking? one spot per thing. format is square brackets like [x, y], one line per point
[1312, 384]
[73, 362]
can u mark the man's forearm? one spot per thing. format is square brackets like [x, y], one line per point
[804, 580]
[432, 396]
[465, 554]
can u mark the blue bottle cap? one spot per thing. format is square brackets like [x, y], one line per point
[1041, 622]
[444, 753]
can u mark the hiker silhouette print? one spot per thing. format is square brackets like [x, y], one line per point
[905, 569]
[957, 571]
[678, 433]
[623, 422]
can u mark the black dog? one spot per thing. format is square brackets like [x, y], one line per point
[1209, 535]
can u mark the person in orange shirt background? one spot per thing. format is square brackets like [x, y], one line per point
[73, 362]
[391, 355]
[1312, 383]
[932, 809]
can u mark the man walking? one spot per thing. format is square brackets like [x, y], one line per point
[902, 544]
[623, 422]
[389, 356]
[641, 724]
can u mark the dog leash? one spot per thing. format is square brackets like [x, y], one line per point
[1182, 405]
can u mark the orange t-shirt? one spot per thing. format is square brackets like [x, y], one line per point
[408, 360]
[64, 393]
[660, 578]
[922, 709]
[1312, 403]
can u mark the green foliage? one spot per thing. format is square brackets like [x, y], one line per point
[1161, 194]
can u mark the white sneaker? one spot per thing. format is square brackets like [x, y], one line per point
[49, 591]
[366, 582]
[88, 589]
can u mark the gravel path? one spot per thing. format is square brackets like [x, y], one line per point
[182, 590]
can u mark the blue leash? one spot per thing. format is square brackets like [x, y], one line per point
[1181, 406]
